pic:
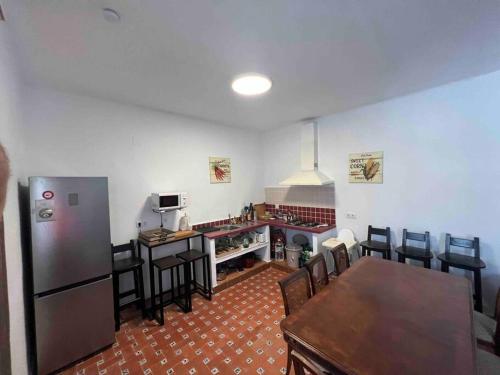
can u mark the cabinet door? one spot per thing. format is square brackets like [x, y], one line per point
[73, 324]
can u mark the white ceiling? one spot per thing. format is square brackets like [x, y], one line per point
[323, 56]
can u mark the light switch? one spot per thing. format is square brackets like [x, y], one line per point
[350, 215]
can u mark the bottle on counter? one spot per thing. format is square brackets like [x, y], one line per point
[184, 222]
[250, 212]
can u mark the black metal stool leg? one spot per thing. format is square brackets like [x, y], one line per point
[445, 267]
[209, 274]
[180, 295]
[172, 285]
[136, 286]
[187, 286]
[204, 266]
[160, 287]
[141, 293]
[401, 258]
[194, 275]
[116, 300]
[427, 263]
[478, 293]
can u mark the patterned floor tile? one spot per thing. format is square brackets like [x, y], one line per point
[235, 333]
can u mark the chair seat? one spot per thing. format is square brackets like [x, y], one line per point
[414, 252]
[461, 261]
[127, 264]
[488, 363]
[191, 255]
[375, 245]
[167, 262]
[484, 328]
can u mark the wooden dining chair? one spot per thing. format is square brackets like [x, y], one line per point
[466, 262]
[487, 329]
[340, 258]
[417, 253]
[316, 266]
[296, 290]
[383, 247]
[305, 366]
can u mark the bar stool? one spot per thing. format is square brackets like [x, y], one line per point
[382, 247]
[416, 253]
[172, 264]
[191, 256]
[132, 264]
[465, 262]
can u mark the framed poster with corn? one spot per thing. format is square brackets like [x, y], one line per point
[220, 170]
[366, 167]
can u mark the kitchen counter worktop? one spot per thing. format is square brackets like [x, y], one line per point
[282, 224]
[241, 228]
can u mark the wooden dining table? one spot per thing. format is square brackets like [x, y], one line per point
[383, 317]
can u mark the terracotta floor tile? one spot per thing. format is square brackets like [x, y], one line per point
[235, 333]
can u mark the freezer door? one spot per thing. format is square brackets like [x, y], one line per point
[73, 324]
[69, 230]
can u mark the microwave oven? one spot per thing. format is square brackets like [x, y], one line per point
[168, 201]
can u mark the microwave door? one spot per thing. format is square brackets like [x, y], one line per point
[169, 201]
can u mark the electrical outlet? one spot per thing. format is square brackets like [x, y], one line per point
[350, 215]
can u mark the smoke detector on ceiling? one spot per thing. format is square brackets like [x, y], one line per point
[111, 15]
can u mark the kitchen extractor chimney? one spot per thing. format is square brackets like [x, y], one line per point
[309, 174]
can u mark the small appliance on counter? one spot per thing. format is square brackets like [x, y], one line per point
[168, 201]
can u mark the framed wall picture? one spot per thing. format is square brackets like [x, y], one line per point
[220, 170]
[366, 167]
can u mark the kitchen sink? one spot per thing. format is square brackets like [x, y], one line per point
[229, 227]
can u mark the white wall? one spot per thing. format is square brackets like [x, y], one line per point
[141, 151]
[10, 138]
[441, 153]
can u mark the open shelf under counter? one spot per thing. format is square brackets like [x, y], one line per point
[262, 249]
[241, 251]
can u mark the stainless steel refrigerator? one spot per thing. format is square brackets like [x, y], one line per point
[72, 269]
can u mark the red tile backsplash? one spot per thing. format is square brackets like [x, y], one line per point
[319, 214]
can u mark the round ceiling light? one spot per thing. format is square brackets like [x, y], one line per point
[251, 84]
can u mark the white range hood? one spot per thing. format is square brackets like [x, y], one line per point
[309, 174]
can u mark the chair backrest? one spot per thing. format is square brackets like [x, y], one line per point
[380, 232]
[421, 237]
[301, 363]
[462, 242]
[296, 290]
[316, 266]
[123, 248]
[340, 258]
